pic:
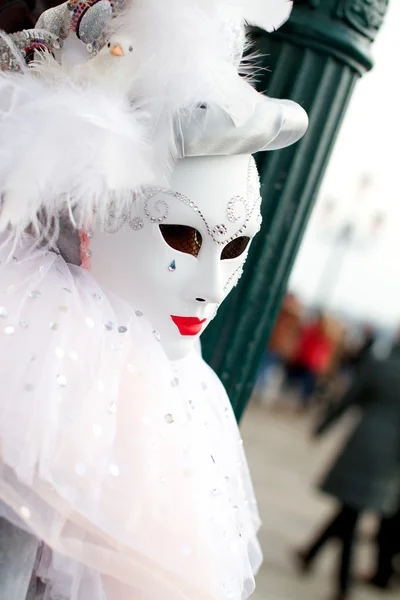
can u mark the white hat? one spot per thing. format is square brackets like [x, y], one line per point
[75, 134]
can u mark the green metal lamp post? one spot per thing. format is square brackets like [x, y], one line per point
[316, 60]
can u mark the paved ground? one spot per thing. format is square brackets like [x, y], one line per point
[285, 465]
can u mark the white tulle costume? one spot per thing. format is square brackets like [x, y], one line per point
[112, 454]
[127, 466]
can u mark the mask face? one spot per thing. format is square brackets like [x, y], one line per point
[177, 253]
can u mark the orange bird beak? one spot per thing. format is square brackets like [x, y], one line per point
[117, 50]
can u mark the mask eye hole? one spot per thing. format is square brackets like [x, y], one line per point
[182, 238]
[235, 248]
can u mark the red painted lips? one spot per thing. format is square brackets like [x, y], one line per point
[188, 325]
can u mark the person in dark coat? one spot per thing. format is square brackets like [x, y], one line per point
[364, 475]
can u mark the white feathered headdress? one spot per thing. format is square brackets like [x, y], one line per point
[75, 134]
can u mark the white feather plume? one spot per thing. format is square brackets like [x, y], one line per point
[176, 55]
[68, 146]
[177, 51]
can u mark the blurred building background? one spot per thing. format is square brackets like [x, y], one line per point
[361, 191]
[342, 311]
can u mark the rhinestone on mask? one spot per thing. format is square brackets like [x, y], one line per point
[136, 223]
[161, 215]
[172, 266]
[219, 230]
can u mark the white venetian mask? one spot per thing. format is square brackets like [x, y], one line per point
[177, 253]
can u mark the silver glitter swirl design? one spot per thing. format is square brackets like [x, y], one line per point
[117, 219]
[156, 210]
[231, 212]
[234, 278]
[219, 229]
[159, 211]
[212, 232]
[253, 201]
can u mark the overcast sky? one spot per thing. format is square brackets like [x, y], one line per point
[369, 281]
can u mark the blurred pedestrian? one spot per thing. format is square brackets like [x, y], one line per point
[312, 358]
[364, 476]
[355, 359]
[281, 347]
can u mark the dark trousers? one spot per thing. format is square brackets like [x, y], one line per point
[388, 546]
[305, 378]
[343, 528]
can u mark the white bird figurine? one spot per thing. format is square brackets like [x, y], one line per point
[114, 66]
